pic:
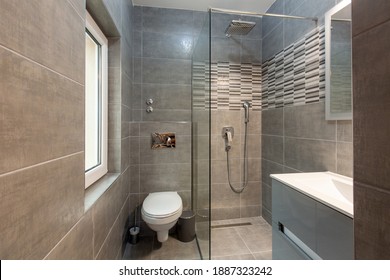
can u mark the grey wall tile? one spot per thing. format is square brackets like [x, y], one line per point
[250, 211]
[273, 42]
[344, 131]
[253, 145]
[105, 212]
[135, 156]
[79, 6]
[137, 44]
[224, 49]
[371, 212]
[137, 18]
[251, 51]
[222, 196]
[270, 23]
[251, 196]
[147, 128]
[254, 125]
[114, 85]
[272, 148]
[137, 73]
[167, 96]
[370, 102]
[165, 177]
[267, 197]
[31, 204]
[225, 213]
[136, 97]
[254, 169]
[257, 32]
[272, 122]
[296, 29]
[345, 159]
[166, 71]
[134, 179]
[268, 168]
[114, 120]
[114, 155]
[32, 41]
[77, 243]
[290, 6]
[363, 12]
[126, 90]
[125, 153]
[308, 121]
[310, 155]
[200, 21]
[162, 45]
[219, 171]
[169, 21]
[222, 118]
[116, 239]
[172, 115]
[266, 215]
[114, 52]
[43, 114]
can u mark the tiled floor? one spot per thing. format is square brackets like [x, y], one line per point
[148, 248]
[241, 239]
[236, 239]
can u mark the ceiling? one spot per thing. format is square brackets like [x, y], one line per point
[258, 6]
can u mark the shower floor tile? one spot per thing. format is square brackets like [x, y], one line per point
[254, 235]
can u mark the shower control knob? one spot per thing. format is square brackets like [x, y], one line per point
[149, 101]
[149, 109]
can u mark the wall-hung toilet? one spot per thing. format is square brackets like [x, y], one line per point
[160, 211]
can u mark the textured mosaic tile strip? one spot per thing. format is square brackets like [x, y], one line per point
[296, 75]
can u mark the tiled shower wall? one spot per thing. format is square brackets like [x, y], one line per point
[235, 76]
[164, 41]
[371, 44]
[295, 135]
[44, 210]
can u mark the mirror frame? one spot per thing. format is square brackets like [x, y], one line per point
[328, 20]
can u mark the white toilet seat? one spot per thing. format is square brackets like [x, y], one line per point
[161, 207]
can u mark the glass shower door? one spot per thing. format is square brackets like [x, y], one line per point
[201, 138]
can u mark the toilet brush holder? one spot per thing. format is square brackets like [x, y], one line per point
[134, 235]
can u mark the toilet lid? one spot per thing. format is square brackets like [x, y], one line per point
[161, 204]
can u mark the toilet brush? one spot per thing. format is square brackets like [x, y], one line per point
[134, 231]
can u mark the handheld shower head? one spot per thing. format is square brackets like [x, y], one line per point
[246, 106]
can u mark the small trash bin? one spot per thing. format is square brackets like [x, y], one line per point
[186, 226]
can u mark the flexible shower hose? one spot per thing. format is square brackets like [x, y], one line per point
[245, 183]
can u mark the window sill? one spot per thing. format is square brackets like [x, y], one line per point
[97, 189]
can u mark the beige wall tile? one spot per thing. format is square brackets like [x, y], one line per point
[77, 243]
[105, 211]
[43, 114]
[115, 242]
[39, 205]
[32, 29]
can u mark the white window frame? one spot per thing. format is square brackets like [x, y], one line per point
[99, 171]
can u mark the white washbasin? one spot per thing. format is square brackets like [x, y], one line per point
[331, 189]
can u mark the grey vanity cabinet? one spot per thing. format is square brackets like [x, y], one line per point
[303, 228]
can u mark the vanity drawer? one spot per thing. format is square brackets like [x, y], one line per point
[295, 211]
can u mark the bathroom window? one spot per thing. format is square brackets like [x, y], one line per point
[95, 102]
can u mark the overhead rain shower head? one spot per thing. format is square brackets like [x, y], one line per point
[239, 27]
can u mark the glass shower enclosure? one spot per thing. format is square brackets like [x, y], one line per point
[201, 138]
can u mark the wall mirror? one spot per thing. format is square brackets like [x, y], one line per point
[338, 62]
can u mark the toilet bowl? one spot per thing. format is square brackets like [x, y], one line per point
[160, 211]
